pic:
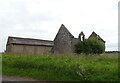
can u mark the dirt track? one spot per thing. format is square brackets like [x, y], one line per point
[16, 78]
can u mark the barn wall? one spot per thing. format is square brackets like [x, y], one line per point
[8, 48]
[30, 49]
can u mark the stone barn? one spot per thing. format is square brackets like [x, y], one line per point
[63, 43]
[28, 45]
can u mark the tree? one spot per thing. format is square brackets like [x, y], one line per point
[90, 46]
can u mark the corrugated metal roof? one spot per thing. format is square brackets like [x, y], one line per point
[29, 41]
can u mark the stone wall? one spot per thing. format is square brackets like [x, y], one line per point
[63, 41]
[74, 41]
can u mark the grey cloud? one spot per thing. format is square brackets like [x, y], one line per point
[18, 19]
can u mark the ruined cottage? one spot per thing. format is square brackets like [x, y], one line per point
[63, 43]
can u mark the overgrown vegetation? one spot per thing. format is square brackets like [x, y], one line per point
[90, 46]
[62, 67]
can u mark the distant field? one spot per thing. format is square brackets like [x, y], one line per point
[102, 67]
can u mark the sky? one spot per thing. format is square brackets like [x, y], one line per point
[41, 19]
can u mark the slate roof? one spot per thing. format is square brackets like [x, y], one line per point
[29, 41]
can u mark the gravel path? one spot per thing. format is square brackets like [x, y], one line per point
[16, 78]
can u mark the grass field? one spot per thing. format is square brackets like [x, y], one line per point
[102, 67]
[0, 63]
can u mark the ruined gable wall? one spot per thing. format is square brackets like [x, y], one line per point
[62, 43]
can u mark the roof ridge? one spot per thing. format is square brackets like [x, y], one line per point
[29, 38]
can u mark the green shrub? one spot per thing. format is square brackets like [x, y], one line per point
[90, 46]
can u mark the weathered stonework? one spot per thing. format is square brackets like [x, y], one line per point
[63, 43]
[94, 35]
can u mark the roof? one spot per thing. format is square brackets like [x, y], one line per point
[29, 41]
[96, 36]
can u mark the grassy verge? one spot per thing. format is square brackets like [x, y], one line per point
[63, 67]
[0, 63]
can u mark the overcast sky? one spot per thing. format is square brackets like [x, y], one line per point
[41, 19]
